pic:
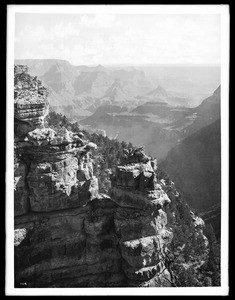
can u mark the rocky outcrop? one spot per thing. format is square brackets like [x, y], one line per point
[47, 162]
[30, 101]
[66, 233]
[140, 220]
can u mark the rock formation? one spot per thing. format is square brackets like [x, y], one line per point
[30, 101]
[140, 221]
[67, 234]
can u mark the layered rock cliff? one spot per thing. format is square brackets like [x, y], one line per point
[67, 234]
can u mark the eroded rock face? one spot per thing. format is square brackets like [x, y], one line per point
[135, 185]
[30, 101]
[54, 177]
[66, 233]
[140, 223]
[49, 164]
[94, 240]
[69, 248]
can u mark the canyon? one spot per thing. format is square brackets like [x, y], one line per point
[76, 91]
[67, 233]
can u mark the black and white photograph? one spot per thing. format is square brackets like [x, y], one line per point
[117, 150]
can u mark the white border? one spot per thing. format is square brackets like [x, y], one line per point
[122, 9]
[225, 42]
[223, 10]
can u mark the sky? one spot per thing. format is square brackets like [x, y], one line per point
[119, 39]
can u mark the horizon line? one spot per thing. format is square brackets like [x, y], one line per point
[125, 64]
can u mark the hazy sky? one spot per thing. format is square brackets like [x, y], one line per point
[119, 38]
